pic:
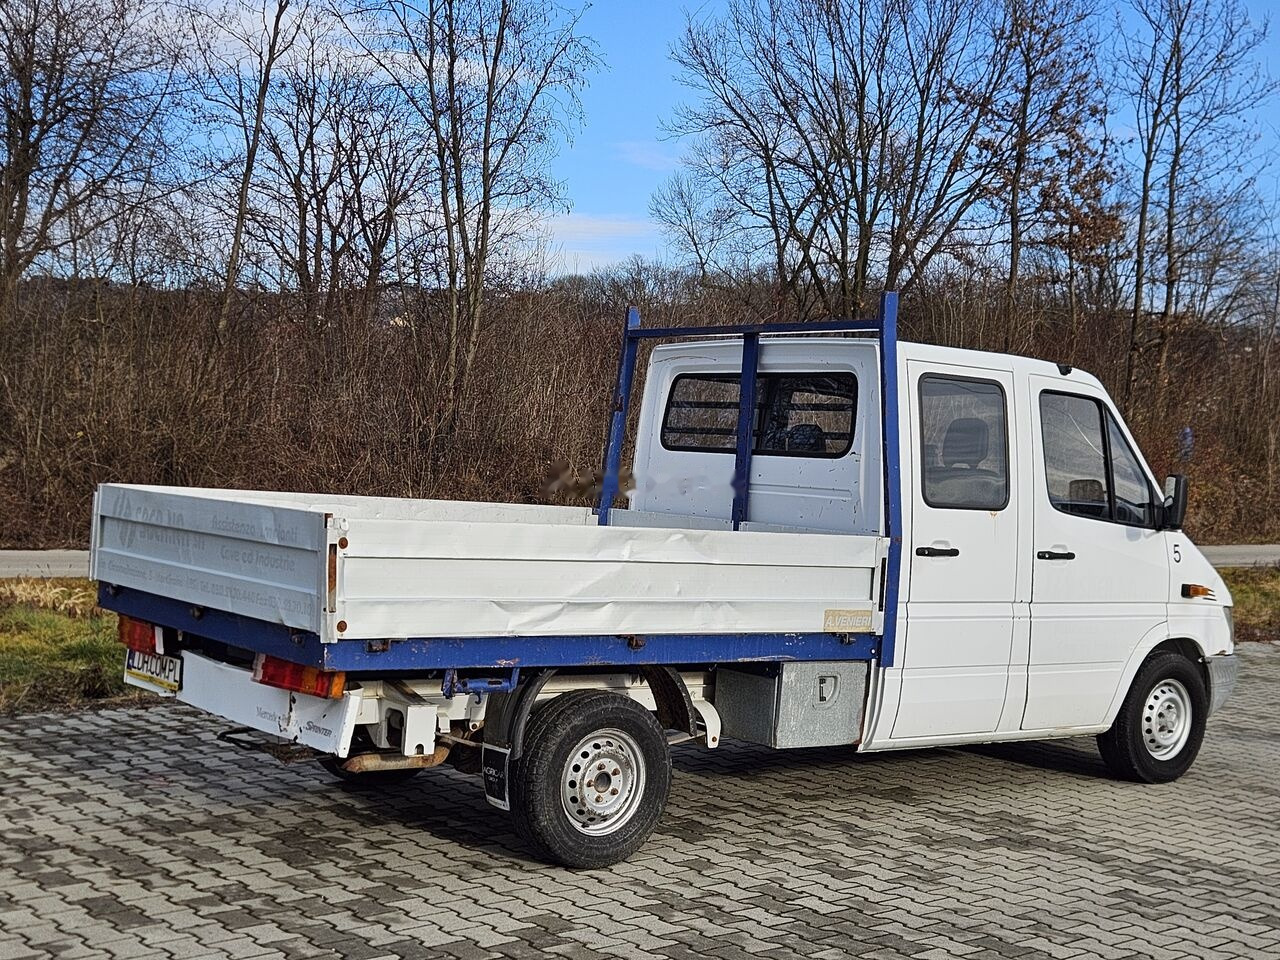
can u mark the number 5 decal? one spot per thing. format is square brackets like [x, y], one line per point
[1177, 553]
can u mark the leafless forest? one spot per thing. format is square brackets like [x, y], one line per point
[302, 243]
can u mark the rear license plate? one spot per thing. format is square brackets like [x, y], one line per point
[154, 670]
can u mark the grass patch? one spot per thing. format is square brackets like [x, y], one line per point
[1256, 594]
[57, 648]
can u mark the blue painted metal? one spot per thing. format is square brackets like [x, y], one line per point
[257, 635]
[888, 323]
[420, 654]
[452, 684]
[746, 428]
[618, 421]
[742, 329]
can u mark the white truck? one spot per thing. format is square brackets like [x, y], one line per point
[834, 540]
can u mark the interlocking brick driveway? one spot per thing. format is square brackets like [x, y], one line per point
[134, 833]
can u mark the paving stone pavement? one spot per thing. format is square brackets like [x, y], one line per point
[134, 833]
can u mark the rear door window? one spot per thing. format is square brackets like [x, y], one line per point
[965, 443]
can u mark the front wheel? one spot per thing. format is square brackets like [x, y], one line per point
[1158, 731]
[592, 779]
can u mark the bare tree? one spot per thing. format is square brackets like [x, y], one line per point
[84, 89]
[342, 158]
[1046, 125]
[239, 44]
[834, 138]
[1195, 81]
[494, 85]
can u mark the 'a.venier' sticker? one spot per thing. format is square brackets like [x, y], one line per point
[846, 621]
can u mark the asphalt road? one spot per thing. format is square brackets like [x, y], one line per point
[75, 563]
[1245, 555]
[134, 833]
[44, 563]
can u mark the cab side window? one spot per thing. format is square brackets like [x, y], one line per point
[965, 443]
[1090, 468]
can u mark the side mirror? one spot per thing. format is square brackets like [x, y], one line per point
[1174, 508]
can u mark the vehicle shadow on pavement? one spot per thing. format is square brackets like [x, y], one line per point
[443, 803]
[449, 811]
[1078, 756]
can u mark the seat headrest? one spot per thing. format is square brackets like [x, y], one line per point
[966, 442]
[806, 438]
[1086, 491]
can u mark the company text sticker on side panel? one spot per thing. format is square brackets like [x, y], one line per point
[846, 621]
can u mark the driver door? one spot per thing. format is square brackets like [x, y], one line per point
[1100, 574]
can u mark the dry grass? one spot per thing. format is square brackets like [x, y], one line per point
[75, 598]
[1256, 594]
[112, 384]
[57, 648]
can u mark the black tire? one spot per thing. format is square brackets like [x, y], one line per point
[620, 739]
[361, 742]
[1144, 744]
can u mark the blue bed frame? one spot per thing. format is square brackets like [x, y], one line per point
[512, 653]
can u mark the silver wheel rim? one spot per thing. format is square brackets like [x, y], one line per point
[603, 782]
[1166, 719]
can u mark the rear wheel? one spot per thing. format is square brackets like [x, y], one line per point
[1158, 731]
[592, 779]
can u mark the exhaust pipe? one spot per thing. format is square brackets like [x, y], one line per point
[382, 762]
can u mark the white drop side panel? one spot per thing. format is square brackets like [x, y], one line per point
[499, 579]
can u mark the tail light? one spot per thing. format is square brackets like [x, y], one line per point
[288, 675]
[139, 635]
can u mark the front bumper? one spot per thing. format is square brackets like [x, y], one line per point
[1224, 671]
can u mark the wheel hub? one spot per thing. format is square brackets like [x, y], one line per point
[602, 782]
[1166, 719]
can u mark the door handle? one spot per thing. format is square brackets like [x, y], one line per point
[937, 551]
[1055, 555]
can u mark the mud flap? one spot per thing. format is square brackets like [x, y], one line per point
[494, 764]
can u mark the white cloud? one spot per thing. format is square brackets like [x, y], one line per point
[582, 242]
[648, 154]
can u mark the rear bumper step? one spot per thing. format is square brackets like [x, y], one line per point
[247, 738]
[299, 719]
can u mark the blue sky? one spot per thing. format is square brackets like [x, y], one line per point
[621, 156]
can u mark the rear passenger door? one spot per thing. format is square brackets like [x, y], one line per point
[963, 551]
[1100, 577]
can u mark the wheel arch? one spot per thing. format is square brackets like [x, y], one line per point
[1157, 640]
[507, 714]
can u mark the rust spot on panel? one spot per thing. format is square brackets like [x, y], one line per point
[333, 577]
